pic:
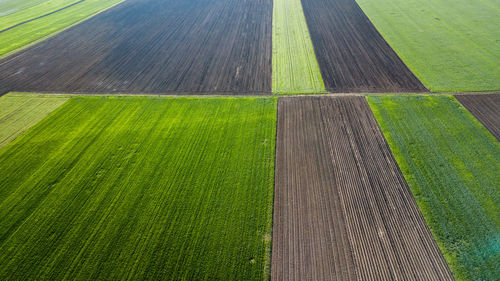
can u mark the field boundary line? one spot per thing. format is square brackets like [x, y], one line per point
[239, 95]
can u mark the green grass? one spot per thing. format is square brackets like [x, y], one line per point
[34, 31]
[14, 12]
[19, 112]
[141, 189]
[451, 163]
[450, 45]
[295, 69]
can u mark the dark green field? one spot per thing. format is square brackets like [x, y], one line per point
[451, 163]
[140, 188]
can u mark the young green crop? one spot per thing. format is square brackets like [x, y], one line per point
[141, 189]
[451, 163]
[15, 12]
[295, 69]
[18, 112]
[450, 45]
[31, 32]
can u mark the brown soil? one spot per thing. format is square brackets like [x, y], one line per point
[352, 55]
[343, 210]
[486, 108]
[153, 46]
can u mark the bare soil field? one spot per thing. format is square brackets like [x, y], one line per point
[342, 209]
[486, 109]
[153, 46]
[352, 55]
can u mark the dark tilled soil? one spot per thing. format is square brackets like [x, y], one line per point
[352, 55]
[153, 46]
[343, 210]
[486, 108]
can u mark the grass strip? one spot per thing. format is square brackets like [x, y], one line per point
[295, 69]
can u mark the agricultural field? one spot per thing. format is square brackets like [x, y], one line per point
[18, 112]
[154, 46]
[450, 45]
[182, 140]
[336, 216]
[486, 109]
[352, 55]
[23, 22]
[451, 164]
[140, 188]
[295, 69]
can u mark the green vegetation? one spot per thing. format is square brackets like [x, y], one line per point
[450, 45]
[18, 112]
[13, 12]
[141, 188]
[295, 69]
[451, 163]
[31, 32]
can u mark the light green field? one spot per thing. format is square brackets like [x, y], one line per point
[451, 163]
[141, 189]
[450, 45]
[31, 32]
[20, 112]
[295, 69]
[14, 12]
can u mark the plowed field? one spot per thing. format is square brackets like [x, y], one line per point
[342, 208]
[154, 46]
[486, 109]
[352, 55]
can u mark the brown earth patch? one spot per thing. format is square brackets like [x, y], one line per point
[342, 209]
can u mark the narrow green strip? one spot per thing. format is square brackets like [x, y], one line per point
[451, 163]
[295, 69]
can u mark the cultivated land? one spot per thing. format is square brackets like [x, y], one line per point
[451, 45]
[19, 112]
[27, 21]
[486, 108]
[342, 209]
[295, 69]
[352, 55]
[154, 46]
[141, 189]
[451, 164]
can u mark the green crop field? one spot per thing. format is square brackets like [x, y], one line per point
[295, 69]
[450, 45]
[31, 32]
[141, 188]
[451, 164]
[13, 12]
[18, 112]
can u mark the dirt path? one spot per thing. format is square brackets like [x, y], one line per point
[343, 210]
